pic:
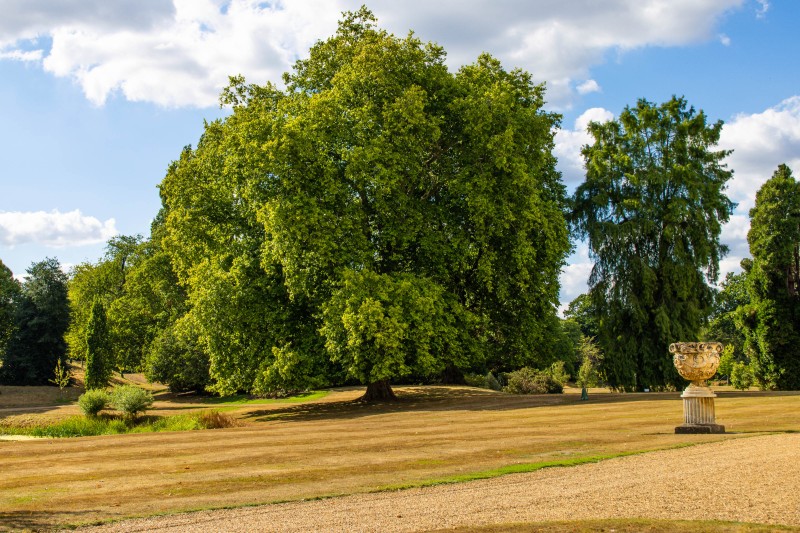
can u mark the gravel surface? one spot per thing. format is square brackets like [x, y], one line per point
[754, 479]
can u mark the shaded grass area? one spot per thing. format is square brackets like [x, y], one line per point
[82, 426]
[627, 526]
[340, 446]
[243, 399]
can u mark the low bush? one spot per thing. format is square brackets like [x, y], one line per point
[217, 420]
[475, 380]
[529, 381]
[741, 376]
[558, 373]
[131, 400]
[93, 401]
[492, 382]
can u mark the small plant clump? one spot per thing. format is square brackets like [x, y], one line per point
[217, 420]
[131, 400]
[530, 381]
[85, 426]
[93, 401]
[492, 382]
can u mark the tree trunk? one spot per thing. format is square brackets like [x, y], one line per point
[380, 391]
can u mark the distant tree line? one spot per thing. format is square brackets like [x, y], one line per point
[381, 219]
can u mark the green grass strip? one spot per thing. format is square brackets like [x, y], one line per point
[522, 468]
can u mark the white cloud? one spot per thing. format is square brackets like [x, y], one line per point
[569, 144]
[575, 276]
[724, 39]
[760, 142]
[589, 86]
[22, 55]
[764, 7]
[181, 52]
[54, 229]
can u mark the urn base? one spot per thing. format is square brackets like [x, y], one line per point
[694, 429]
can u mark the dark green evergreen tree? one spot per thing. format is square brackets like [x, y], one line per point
[10, 291]
[652, 207]
[41, 316]
[771, 321]
[99, 357]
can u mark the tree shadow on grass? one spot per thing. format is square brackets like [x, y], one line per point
[39, 520]
[446, 398]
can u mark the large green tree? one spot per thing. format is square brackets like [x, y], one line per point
[316, 226]
[41, 316]
[652, 207]
[9, 297]
[771, 321]
[104, 281]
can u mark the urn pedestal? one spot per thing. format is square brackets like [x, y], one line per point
[697, 362]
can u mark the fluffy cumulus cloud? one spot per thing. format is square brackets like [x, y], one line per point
[760, 142]
[589, 86]
[170, 52]
[54, 229]
[180, 52]
[574, 278]
[570, 141]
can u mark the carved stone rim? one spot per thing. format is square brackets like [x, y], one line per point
[695, 347]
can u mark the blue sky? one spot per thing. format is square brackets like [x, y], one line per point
[97, 97]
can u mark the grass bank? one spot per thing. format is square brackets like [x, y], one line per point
[342, 446]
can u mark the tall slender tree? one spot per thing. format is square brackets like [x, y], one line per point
[652, 207]
[99, 362]
[772, 319]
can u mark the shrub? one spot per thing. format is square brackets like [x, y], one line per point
[93, 401]
[726, 362]
[741, 376]
[217, 420]
[131, 400]
[529, 381]
[492, 382]
[475, 380]
[558, 373]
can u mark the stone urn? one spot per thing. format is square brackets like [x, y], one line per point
[697, 362]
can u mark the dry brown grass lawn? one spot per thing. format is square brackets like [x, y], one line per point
[338, 446]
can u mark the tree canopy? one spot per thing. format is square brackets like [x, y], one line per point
[652, 207]
[379, 218]
[771, 320]
[9, 295]
[41, 316]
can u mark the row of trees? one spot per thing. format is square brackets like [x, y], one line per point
[381, 218]
[33, 318]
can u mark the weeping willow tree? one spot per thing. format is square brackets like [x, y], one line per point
[652, 207]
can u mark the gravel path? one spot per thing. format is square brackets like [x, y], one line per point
[753, 479]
